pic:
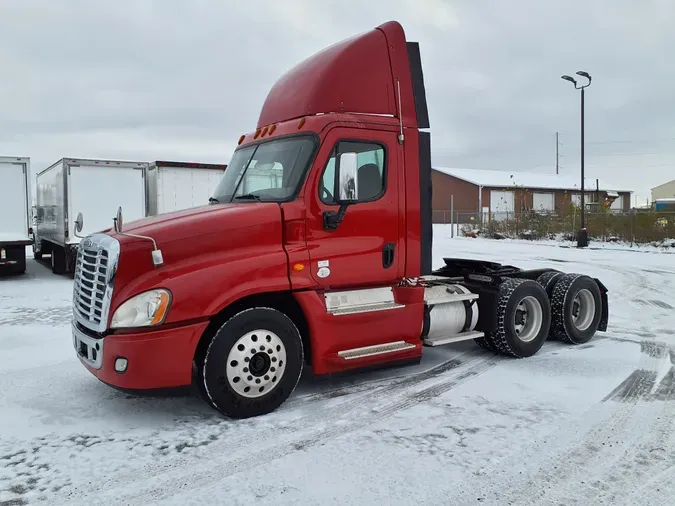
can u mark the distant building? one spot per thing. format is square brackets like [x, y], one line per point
[500, 193]
[664, 191]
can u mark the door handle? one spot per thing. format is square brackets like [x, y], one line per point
[388, 255]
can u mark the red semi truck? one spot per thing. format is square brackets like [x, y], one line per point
[315, 251]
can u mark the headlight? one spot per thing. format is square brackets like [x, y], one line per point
[143, 310]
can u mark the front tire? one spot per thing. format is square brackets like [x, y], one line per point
[523, 318]
[253, 363]
[37, 255]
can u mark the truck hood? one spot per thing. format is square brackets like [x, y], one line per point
[200, 221]
[206, 251]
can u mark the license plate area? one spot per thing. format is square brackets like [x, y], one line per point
[89, 350]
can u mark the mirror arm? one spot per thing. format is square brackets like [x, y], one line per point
[331, 219]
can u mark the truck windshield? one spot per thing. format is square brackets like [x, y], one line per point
[269, 172]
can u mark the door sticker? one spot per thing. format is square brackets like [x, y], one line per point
[324, 270]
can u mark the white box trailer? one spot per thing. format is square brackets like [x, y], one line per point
[174, 186]
[95, 188]
[15, 216]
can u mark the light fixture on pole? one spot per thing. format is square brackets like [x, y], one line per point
[582, 236]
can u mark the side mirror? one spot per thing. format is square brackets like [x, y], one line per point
[79, 223]
[347, 192]
[118, 220]
[347, 178]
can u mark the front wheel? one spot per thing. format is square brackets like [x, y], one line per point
[37, 255]
[253, 363]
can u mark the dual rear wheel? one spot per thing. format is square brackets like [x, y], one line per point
[567, 307]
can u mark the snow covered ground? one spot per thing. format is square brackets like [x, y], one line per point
[592, 424]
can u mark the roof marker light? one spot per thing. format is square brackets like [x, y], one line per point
[272, 129]
[264, 131]
[257, 134]
[241, 139]
[301, 123]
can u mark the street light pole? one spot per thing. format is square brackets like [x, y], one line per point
[582, 236]
[583, 240]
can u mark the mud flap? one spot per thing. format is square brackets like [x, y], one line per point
[604, 318]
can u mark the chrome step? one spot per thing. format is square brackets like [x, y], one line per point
[457, 338]
[377, 349]
[366, 308]
[361, 301]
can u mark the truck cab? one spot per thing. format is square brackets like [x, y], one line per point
[315, 251]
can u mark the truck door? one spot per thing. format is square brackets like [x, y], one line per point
[364, 248]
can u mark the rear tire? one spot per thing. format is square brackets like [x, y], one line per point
[487, 344]
[576, 308]
[548, 281]
[523, 318]
[253, 363]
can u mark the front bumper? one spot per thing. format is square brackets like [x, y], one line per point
[156, 359]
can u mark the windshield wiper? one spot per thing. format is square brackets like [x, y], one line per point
[213, 200]
[248, 196]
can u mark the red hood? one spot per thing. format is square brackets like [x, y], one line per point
[195, 222]
[205, 250]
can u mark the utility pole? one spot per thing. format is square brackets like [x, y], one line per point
[557, 154]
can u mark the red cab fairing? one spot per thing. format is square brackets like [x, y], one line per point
[359, 75]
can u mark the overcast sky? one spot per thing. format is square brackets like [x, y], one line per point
[175, 79]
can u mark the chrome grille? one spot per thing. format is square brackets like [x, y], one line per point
[94, 280]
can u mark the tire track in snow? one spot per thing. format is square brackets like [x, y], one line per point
[304, 432]
[626, 446]
[176, 481]
[165, 481]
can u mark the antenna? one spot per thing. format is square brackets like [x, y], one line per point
[401, 137]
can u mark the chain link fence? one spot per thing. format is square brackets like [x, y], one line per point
[634, 226]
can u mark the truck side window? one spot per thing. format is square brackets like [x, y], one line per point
[371, 160]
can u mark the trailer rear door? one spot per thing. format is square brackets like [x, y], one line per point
[97, 191]
[14, 220]
[184, 188]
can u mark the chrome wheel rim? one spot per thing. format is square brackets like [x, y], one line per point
[256, 363]
[583, 309]
[528, 319]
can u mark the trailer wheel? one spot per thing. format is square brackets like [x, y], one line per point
[523, 318]
[253, 363]
[576, 308]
